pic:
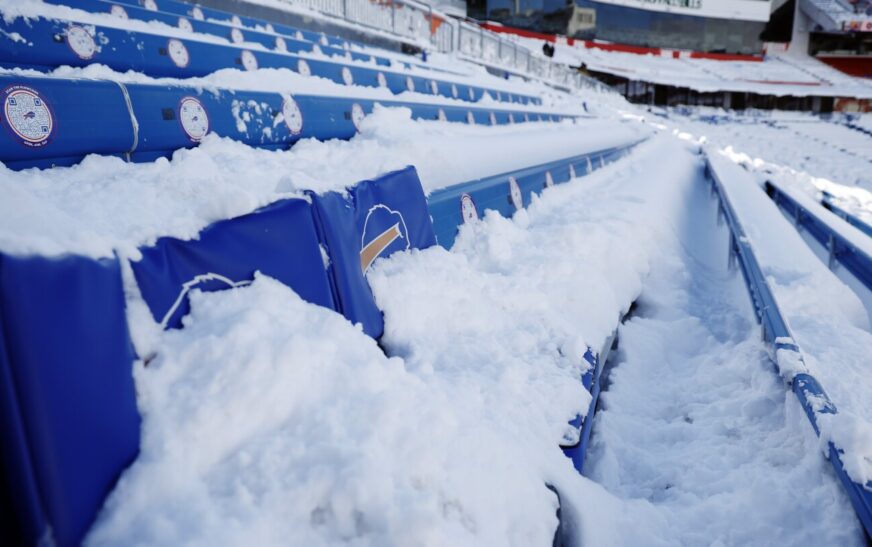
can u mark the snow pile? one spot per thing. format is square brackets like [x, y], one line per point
[767, 143]
[828, 320]
[105, 204]
[258, 426]
[696, 422]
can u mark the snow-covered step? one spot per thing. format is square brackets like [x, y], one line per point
[846, 245]
[778, 269]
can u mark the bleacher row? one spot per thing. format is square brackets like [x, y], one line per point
[783, 348]
[57, 121]
[841, 248]
[47, 43]
[69, 423]
[61, 463]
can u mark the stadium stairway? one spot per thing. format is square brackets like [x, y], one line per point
[727, 182]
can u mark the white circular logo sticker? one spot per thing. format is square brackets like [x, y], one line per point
[236, 36]
[303, 67]
[470, 119]
[493, 118]
[410, 83]
[194, 119]
[293, 115]
[549, 180]
[281, 45]
[347, 78]
[178, 53]
[454, 91]
[468, 211]
[81, 42]
[515, 195]
[150, 5]
[185, 25]
[382, 81]
[249, 61]
[27, 115]
[572, 171]
[434, 87]
[442, 117]
[357, 115]
[197, 13]
[118, 11]
[236, 21]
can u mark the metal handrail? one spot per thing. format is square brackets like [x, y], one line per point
[429, 28]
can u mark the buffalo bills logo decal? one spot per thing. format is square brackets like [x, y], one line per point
[27, 116]
[384, 232]
[81, 42]
[292, 114]
[357, 115]
[468, 210]
[178, 53]
[516, 198]
[193, 118]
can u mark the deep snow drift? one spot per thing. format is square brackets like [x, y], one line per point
[696, 421]
[259, 426]
[105, 204]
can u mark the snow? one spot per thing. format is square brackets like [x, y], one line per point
[464, 73]
[695, 421]
[104, 205]
[779, 75]
[267, 420]
[828, 320]
[255, 419]
[258, 426]
[762, 142]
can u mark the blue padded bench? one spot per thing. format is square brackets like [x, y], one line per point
[55, 121]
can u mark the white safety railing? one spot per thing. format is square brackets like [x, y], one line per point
[420, 24]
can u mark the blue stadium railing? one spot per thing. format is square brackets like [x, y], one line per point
[776, 333]
[855, 221]
[840, 248]
[507, 192]
[55, 121]
[45, 44]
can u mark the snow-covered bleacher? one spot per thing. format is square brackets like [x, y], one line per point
[79, 81]
[173, 130]
[838, 15]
